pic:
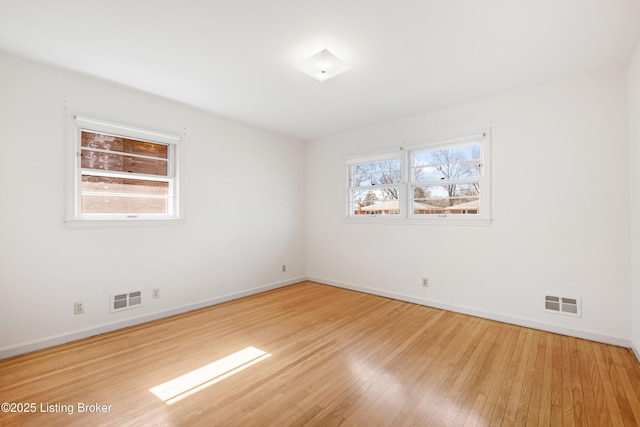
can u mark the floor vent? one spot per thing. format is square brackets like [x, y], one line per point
[126, 300]
[563, 305]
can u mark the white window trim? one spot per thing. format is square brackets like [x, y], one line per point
[407, 217]
[75, 124]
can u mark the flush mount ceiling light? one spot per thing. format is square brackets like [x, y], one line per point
[323, 66]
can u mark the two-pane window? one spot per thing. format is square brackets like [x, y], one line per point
[375, 187]
[440, 180]
[447, 179]
[124, 173]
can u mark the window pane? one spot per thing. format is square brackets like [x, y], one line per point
[107, 152]
[115, 162]
[94, 204]
[124, 145]
[423, 208]
[376, 173]
[124, 196]
[449, 163]
[450, 198]
[100, 184]
[380, 201]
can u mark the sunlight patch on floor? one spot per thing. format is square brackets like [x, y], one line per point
[192, 382]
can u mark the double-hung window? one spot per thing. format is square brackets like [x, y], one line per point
[437, 181]
[446, 178]
[374, 184]
[123, 172]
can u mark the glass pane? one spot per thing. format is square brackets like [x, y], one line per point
[102, 195]
[108, 152]
[449, 163]
[458, 198]
[124, 145]
[96, 204]
[381, 202]
[376, 173]
[100, 184]
[423, 208]
[115, 162]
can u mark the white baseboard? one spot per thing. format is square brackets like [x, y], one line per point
[39, 344]
[548, 327]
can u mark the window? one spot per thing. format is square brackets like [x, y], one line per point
[375, 187]
[123, 173]
[445, 180]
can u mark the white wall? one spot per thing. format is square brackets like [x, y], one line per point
[560, 208]
[244, 195]
[634, 140]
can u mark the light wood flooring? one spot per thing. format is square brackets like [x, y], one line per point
[315, 355]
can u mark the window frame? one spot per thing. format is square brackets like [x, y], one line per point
[407, 183]
[373, 158]
[77, 124]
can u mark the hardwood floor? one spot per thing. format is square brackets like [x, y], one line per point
[322, 356]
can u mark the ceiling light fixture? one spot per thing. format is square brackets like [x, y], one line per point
[323, 66]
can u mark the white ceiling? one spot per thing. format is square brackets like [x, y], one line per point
[237, 58]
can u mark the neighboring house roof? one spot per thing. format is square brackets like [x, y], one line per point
[474, 204]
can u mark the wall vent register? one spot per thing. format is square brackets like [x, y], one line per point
[563, 305]
[126, 300]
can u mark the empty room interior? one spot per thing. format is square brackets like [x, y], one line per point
[320, 213]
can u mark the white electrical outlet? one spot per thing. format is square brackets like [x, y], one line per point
[425, 282]
[155, 293]
[78, 307]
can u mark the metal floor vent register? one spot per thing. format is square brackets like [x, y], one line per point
[126, 300]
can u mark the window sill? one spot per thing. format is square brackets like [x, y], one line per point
[123, 223]
[386, 219]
